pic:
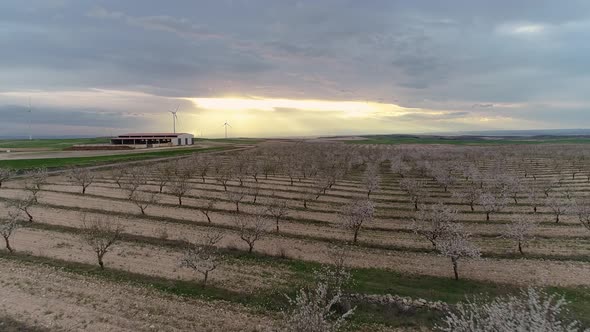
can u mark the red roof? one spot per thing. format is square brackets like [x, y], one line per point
[152, 134]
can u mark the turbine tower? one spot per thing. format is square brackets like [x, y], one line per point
[30, 111]
[174, 118]
[226, 125]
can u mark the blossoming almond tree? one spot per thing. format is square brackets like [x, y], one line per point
[491, 202]
[532, 310]
[433, 221]
[415, 189]
[277, 209]
[204, 258]
[521, 231]
[455, 244]
[101, 233]
[581, 208]
[9, 226]
[355, 214]
[5, 175]
[251, 227]
[371, 178]
[312, 311]
[82, 177]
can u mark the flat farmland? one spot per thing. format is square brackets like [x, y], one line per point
[277, 213]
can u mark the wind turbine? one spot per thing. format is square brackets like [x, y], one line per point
[174, 118]
[226, 125]
[30, 111]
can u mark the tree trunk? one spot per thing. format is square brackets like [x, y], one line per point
[433, 243]
[100, 262]
[238, 207]
[277, 221]
[369, 194]
[471, 205]
[556, 218]
[416, 205]
[29, 215]
[142, 210]
[487, 216]
[454, 260]
[179, 201]
[205, 279]
[305, 204]
[161, 189]
[7, 243]
[515, 200]
[83, 190]
[520, 248]
[251, 247]
[356, 233]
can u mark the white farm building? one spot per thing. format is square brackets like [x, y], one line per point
[149, 140]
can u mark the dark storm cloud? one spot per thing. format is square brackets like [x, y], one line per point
[464, 55]
[89, 117]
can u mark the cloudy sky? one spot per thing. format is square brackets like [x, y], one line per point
[280, 68]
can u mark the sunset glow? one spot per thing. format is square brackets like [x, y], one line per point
[347, 108]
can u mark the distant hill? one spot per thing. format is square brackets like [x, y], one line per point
[535, 132]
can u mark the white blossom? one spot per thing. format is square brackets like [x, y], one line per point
[533, 310]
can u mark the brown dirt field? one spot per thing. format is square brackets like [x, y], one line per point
[60, 301]
[542, 246]
[147, 259]
[331, 228]
[146, 227]
[158, 261]
[308, 237]
[328, 216]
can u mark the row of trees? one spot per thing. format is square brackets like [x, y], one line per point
[438, 224]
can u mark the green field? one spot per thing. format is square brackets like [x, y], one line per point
[53, 144]
[24, 164]
[231, 140]
[467, 141]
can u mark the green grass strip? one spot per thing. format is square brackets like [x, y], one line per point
[52, 163]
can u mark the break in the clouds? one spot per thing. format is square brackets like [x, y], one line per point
[293, 67]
